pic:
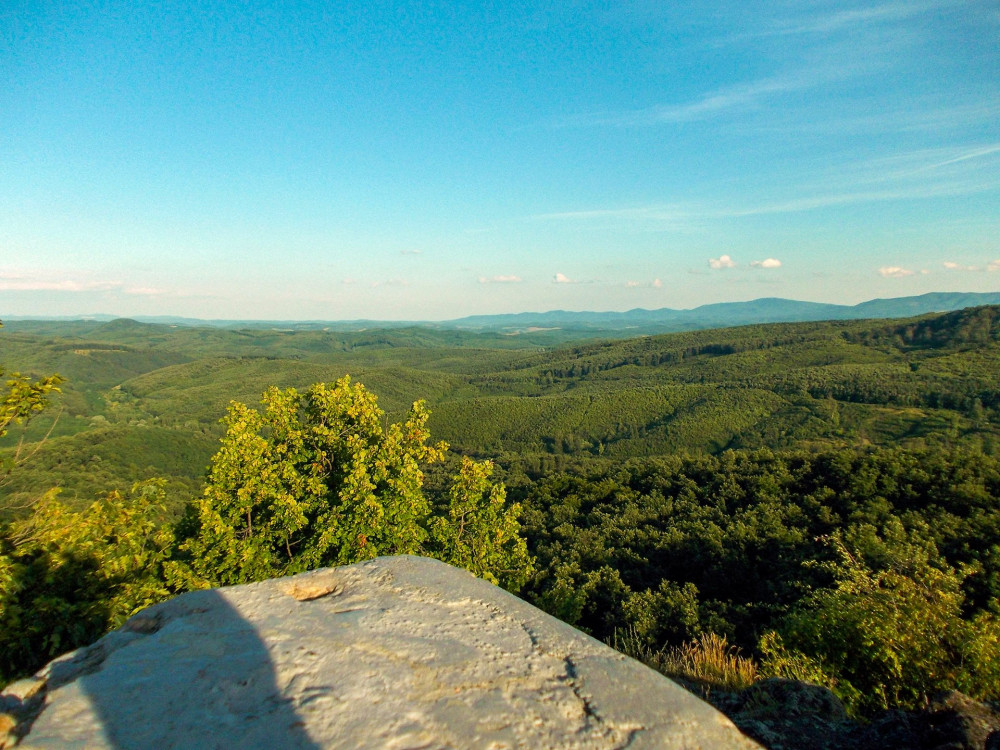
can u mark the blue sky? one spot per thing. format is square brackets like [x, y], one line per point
[403, 160]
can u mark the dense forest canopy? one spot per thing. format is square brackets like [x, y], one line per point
[143, 400]
[825, 495]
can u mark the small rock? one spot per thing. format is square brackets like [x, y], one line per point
[783, 697]
[952, 721]
[26, 689]
[956, 719]
[307, 592]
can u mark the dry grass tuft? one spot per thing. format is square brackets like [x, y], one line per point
[708, 660]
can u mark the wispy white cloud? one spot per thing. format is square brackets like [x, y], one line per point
[723, 261]
[511, 279]
[15, 282]
[916, 117]
[895, 272]
[411, 252]
[929, 160]
[766, 263]
[725, 99]
[654, 284]
[145, 291]
[880, 24]
[852, 19]
[671, 214]
[993, 265]
[561, 278]
[710, 104]
[913, 175]
[952, 266]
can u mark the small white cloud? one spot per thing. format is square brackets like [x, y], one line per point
[952, 266]
[348, 282]
[511, 279]
[993, 265]
[723, 261]
[895, 272]
[654, 284]
[144, 291]
[27, 284]
[410, 252]
[924, 272]
[561, 278]
[767, 263]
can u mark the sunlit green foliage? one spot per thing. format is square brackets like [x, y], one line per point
[480, 531]
[890, 637]
[316, 479]
[20, 400]
[708, 661]
[108, 456]
[24, 397]
[313, 479]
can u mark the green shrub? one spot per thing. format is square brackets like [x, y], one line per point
[891, 637]
[67, 578]
[316, 479]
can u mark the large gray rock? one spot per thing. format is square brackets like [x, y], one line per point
[399, 652]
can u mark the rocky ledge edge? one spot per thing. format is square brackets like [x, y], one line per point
[396, 652]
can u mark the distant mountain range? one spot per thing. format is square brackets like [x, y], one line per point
[725, 314]
[719, 315]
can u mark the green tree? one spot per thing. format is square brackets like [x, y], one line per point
[23, 399]
[889, 637]
[66, 578]
[480, 531]
[316, 479]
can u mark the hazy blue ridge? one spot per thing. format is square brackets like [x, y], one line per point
[765, 310]
[663, 320]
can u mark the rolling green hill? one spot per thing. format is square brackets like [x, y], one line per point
[156, 392]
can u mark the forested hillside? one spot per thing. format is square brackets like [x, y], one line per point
[825, 496]
[146, 399]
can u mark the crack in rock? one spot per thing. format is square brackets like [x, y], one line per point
[571, 677]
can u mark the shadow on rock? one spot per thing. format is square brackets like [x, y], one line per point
[154, 684]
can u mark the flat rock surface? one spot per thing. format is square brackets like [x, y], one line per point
[397, 652]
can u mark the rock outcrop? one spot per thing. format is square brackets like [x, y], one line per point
[398, 652]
